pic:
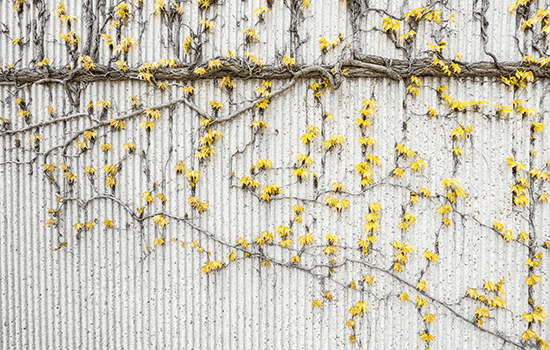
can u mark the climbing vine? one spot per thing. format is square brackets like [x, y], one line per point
[346, 226]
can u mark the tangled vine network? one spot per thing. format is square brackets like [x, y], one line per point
[174, 149]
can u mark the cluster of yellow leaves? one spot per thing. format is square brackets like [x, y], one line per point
[437, 48]
[83, 226]
[530, 334]
[431, 256]
[110, 169]
[105, 105]
[133, 102]
[367, 141]
[110, 181]
[108, 223]
[404, 151]
[319, 87]
[515, 166]
[426, 337]
[259, 124]
[532, 280]
[122, 11]
[205, 141]
[261, 164]
[49, 168]
[537, 127]
[117, 124]
[326, 45]
[71, 178]
[250, 35]
[306, 239]
[248, 182]
[338, 187]
[122, 65]
[23, 113]
[416, 14]
[145, 71]
[242, 242]
[187, 43]
[197, 205]
[264, 89]
[366, 173]
[158, 6]
[542, 16]
[288, 61]
[283, 231]
[495, 301]
[89, 170]
[35, 138]
[317, 303]
[44, 62]
[125, 45]
[158, 241]
[453, 190]
[507, 235]
[333, 202]
[414, 85]
[59, 12]
[331, 248]
[192, 177]
[517, 4]
[203, 4]
[149, 199]
[518, 79]
[71, 38]
[269, 191]
[538, 315]
[254, 59]
[461, 132]
[298, 210]
[212, 266]
[542, 62]
[420, 302]
[300, 173]
[359, 308]
[19, 102]
[263, 104]
[408, 35]
[390, 25]
[519, 190]
[263, 238]
[424, 13]
[162, 85]
[401, 257]
[160, 220]
[226, 83]
[231, 256]
[370, 227]
[367, 113]
[214, 64]
[188, 90]
[311, 131]
[443, 66]
[333, 141]
[458, 105]
[260, 12]
[408, 221]
[417, 164]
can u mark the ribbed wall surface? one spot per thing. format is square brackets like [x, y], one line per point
[113, 288]
[325, 19]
